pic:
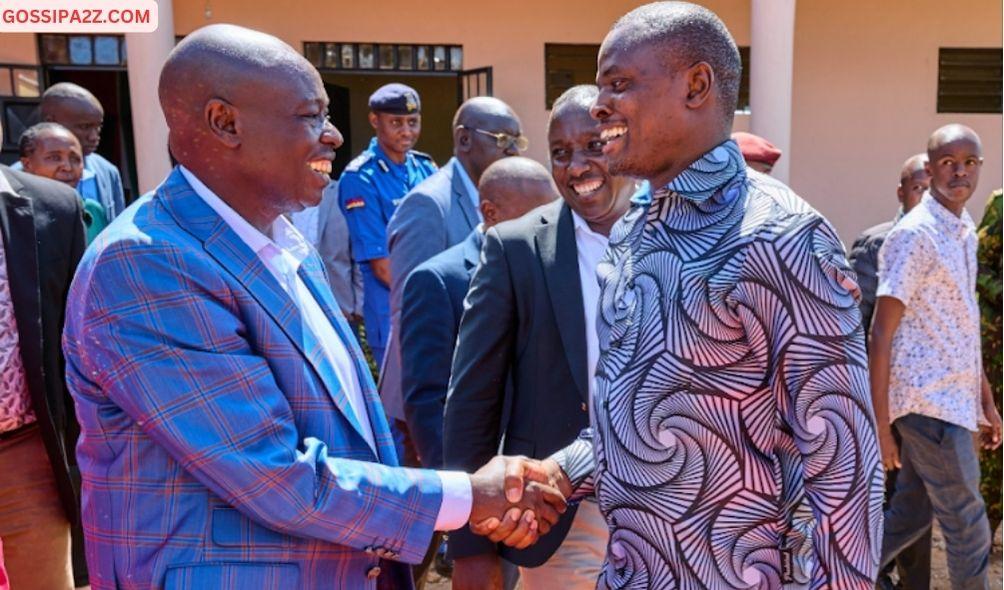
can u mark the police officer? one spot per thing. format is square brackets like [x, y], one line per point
[369, 191]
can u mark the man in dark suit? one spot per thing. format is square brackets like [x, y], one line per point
[526, 320]
[43, 240]
[433, 299]
[439, 213]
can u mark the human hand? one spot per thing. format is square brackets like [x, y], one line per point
[513, 501]
[990, 433]
[889, 448]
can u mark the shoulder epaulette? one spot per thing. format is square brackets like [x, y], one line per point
[358, 161]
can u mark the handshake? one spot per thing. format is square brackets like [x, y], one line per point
[515, 500]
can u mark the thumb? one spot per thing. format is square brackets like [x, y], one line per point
[513, 483]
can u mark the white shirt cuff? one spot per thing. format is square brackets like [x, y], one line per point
[455, 508]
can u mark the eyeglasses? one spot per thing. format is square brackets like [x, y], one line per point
[502, 139]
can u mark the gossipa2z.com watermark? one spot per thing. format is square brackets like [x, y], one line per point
[78, 16]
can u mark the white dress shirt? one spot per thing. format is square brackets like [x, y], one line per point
[591, 247]
[282, 255]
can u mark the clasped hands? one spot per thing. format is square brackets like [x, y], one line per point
[517, 499]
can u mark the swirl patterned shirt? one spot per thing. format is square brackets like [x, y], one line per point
[928, 262]
[732, 442]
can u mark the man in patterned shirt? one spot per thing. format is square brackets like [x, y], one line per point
[926, 373]
[732, 440]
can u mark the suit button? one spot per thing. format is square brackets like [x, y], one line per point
[584, 408]
[373, 572]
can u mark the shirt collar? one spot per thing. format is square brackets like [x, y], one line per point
[582, 226]
[285, 238]
[723, 165]
[946, 217]
[382, 155]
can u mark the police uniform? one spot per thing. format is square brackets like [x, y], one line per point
[369, 191]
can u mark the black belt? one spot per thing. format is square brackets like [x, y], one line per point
[23, 429]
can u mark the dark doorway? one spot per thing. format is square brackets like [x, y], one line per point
[441, 94]
[111, 88]
[340, 112]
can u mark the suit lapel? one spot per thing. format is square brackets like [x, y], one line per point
[312, 273]
[559, 258]
[472, 252]
[462, 198]
[223, 244]
[17, 222]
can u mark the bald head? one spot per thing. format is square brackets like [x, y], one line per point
[684, 34]
[247, 115]
[222, 62]
[512, 187]
[476, 128]
[914, 181]
[76, 109]
[950, 134]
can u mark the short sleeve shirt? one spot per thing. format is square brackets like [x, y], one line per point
[928, 262]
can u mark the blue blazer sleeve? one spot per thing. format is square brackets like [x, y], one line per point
[427, 342]
[157, 331]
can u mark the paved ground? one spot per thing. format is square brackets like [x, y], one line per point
[939, 573]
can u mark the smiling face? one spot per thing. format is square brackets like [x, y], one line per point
[647, 112]
[57, 155]
[580, 170]
[397, 134]
[287, 142]
[954, 164]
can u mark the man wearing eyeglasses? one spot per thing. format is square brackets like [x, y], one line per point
[437, 214]
[371, 188]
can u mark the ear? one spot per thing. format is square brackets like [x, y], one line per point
[461, 140]
[488, 212]
[700, 84]
[899, 193]
[26, 164]
[223, 120]
[373, 120]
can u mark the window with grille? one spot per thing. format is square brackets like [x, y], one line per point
[384, 56]
[969, 80]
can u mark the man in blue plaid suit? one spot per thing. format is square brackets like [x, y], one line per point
[231, 435]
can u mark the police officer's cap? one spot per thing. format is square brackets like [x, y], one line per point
[396, 99]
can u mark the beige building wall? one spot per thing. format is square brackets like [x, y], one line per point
[865, 97]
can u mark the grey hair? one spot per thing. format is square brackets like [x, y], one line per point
[28, 142]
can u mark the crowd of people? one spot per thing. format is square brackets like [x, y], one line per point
[645, 363]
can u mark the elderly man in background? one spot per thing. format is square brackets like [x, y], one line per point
[51, 151]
